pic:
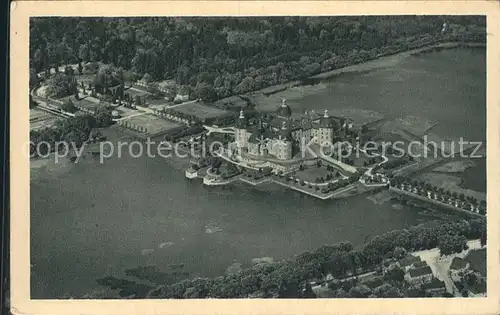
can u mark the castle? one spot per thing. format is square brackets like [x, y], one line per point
[281, 136]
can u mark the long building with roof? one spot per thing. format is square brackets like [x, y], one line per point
[281, 136]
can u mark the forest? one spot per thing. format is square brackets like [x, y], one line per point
[218, 57]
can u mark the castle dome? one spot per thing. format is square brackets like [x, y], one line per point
[284, 110]
[242, 122]
[327, 121]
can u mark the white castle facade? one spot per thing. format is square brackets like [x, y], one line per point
[280, 137]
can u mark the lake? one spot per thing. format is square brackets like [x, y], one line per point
[91, 220]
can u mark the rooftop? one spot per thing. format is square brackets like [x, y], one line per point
[477, 260]
[434, 284]
[419, 264]
[458, 263]
[422, 271]
[409, 260]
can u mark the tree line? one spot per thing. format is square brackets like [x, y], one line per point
[440, 194]
[220, 57]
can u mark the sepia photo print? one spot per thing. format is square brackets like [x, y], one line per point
[240, 157]
[258, 157]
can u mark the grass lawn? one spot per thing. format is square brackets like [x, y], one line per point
[360, 162]
[312, 173]
[154, 125]
[200, 110]
[155, 102]
[415, 125]
[455, 166]
[232, 102]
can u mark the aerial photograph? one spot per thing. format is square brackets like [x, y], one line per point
[257, 157]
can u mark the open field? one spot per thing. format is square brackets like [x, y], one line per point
[271, 103]
[417, 129]
[153, 124]
[87, 104]
[415, 125]
[451, 183]
[200, 110]
[455, 166]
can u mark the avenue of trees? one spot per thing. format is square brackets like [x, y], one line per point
[219, 57]
[439, 194]
[291, 278]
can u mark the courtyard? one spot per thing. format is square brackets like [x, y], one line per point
[153, 125]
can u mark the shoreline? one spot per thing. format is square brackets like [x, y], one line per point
[264, 99]
[391, 59]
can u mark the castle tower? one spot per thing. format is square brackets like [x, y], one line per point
[284, 111]
[284, 151]
[241, 134]
[325, 132]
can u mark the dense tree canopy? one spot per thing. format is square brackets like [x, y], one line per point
[218, 57]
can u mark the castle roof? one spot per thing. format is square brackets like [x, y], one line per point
[327, 122]
[254, 138]
[258, 132]
[284, 110]
[285, 132]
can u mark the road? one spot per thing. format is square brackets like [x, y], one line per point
[440, 265]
